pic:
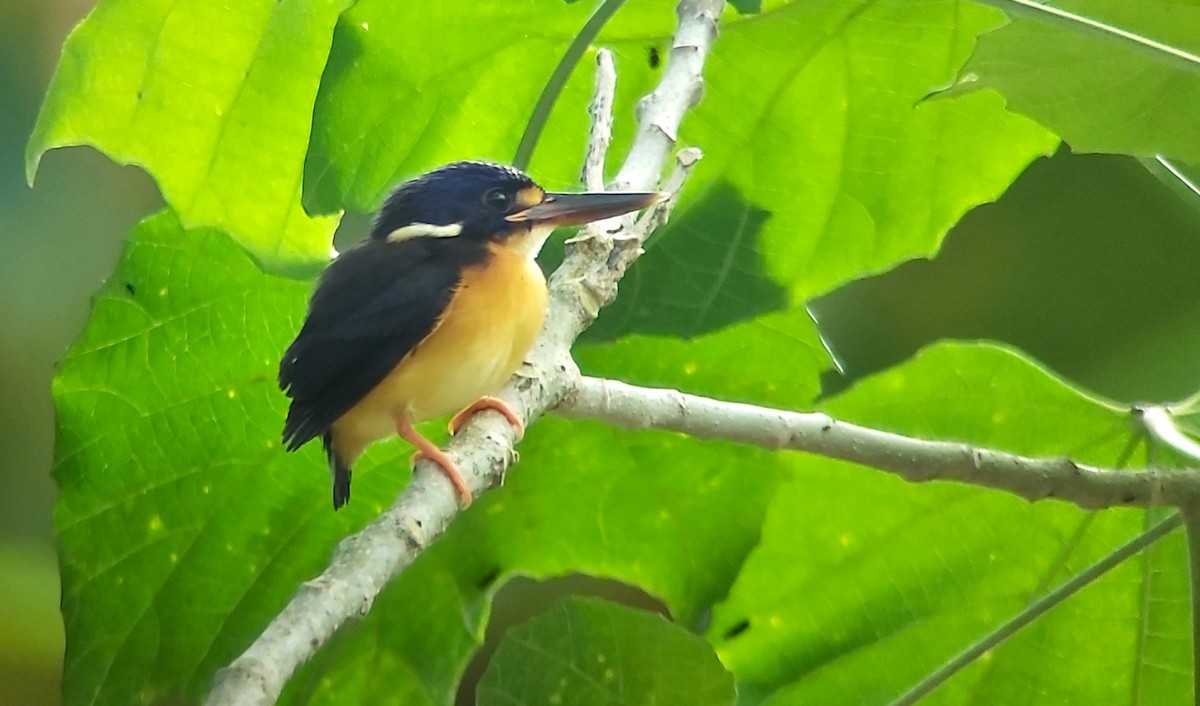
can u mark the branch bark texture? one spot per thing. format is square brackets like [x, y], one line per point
[587, 280]
[915, 460]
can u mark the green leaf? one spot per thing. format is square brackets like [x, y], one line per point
[774, 360]
[213, 100]
[1107, 75]
[831, 140]
[747, 7]
[863, 584]
[181, 523]
[413, 98]
[1163, 660]
[558, 79]
[589, 651]
[1143, 656]
[1179, 178]
[706, 276]
[830, 167]
[816, 86]
[1057, 268]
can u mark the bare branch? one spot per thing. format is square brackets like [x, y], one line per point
[915, 460]
[661, 112]
[657, 216]
[600, 110]
[364, 563]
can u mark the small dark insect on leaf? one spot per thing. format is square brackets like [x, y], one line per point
[737, 629]
[129, 288]
[655, 59]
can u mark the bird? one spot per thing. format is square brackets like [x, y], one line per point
[430, 314]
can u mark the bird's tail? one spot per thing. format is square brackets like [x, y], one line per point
[340, 470]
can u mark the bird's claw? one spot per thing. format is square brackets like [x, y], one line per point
[488, 403]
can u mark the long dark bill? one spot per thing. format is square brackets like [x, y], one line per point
[575, 209]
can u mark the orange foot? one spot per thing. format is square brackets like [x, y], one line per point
[487, 403]
[427, 450]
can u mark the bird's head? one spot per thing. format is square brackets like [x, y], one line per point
[488, 202]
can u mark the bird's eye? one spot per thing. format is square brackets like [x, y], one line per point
[497, 199]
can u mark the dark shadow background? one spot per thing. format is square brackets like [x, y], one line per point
[1088, 262]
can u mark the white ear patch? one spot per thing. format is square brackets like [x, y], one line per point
[424, 230]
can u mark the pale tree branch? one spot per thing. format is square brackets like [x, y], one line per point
[661, 112]
[365, 562]
[914, 460]
[600, 111]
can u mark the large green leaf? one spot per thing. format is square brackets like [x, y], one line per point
[707, 275]
[830, 140]
[1107, 75]
[1057, 267]
[827, 172]
[214, 100]
[590, 652]
[413, 85]
[179, 517]
[864, 584]
[184, 526]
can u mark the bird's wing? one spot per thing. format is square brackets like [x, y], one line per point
[372, 307]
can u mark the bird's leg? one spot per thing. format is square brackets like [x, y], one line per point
[487, 403]
[427, 450]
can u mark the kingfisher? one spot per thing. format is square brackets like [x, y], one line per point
[430, 314]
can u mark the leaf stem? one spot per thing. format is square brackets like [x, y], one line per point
[1161, 427]
[1040, 607]
[558, 80]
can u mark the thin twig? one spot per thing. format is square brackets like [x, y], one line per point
[1036, 609]
[600, 135]
[657, 217]
[558, 80]
[1159, 424]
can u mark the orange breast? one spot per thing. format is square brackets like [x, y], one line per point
[489, 327]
